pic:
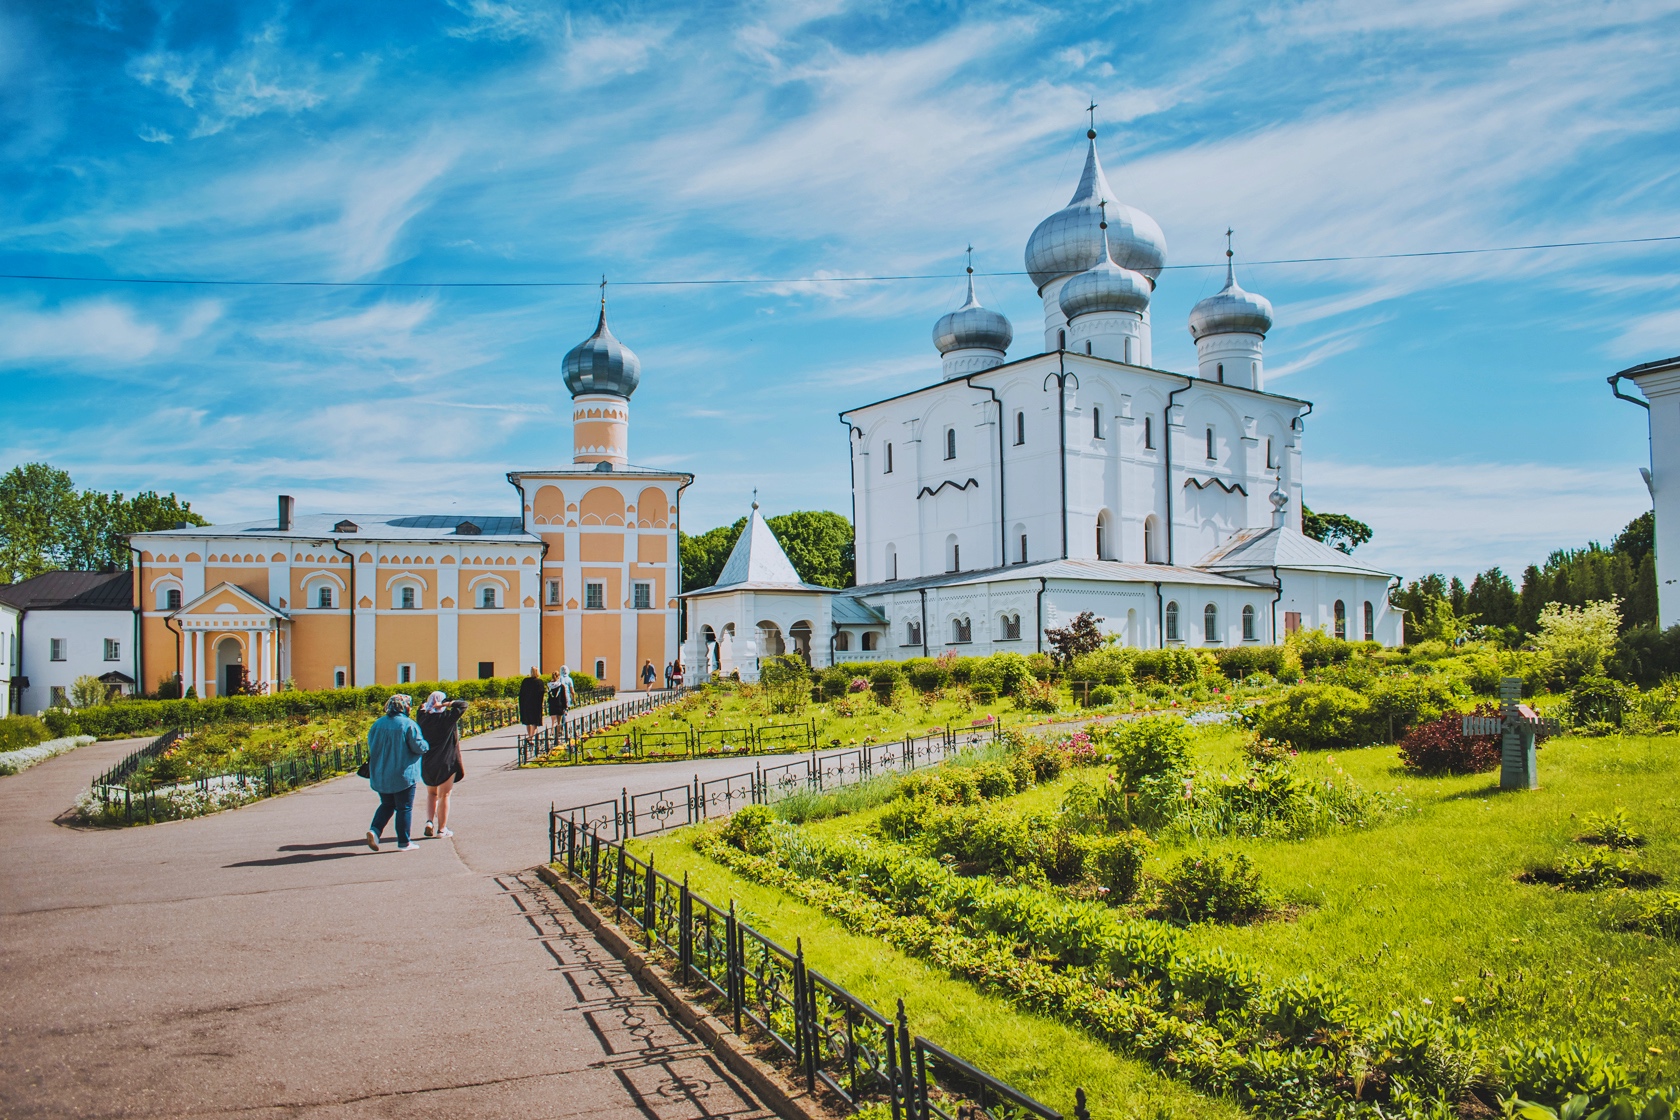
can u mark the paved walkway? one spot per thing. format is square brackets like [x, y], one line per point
[262, 962]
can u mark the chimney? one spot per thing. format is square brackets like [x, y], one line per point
[285, 512]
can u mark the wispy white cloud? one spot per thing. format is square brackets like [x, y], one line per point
[498, 20]
[96, 332]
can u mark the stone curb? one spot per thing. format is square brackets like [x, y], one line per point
[777, 1093]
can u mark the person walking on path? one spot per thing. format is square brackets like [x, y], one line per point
[649, 675]
[559, 696]
[395, 747]
[531, 701]
[670, 672]
[440, 769]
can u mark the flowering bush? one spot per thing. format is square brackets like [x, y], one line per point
[24, 757]
[1441, 747]
[859, 684]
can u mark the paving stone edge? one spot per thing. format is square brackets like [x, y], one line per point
[768, 1084]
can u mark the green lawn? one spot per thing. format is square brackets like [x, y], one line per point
[1423, 910]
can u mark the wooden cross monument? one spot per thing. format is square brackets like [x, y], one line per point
[1517, 725]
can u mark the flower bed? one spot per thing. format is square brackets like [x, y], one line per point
[24, 757]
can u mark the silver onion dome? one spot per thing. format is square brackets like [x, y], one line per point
[1231, 310]
[1069, 240]
[602, 364]
[1105, 286]
[972, 327]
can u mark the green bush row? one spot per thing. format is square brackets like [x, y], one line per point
[17, 732]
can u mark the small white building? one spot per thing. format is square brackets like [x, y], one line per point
[1660, 382]
[70, 624]
[10, 653]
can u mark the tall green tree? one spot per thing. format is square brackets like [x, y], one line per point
[47, 524]
[818, 543]
[1337, 530]
[1492, 599]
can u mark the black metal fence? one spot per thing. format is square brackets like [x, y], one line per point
[573, 733]
[131, 763]
[487, 715]
[150, 802]
[827, 1033]
[655, 811]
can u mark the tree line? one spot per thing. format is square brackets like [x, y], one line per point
[46, 524]
[818, 543]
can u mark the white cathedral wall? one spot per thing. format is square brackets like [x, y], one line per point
[1662, 390]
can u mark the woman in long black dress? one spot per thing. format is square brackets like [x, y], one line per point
[531, 691]
[440, 766]
[558, 685]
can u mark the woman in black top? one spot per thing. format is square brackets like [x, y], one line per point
[531, 691]
[440, 766]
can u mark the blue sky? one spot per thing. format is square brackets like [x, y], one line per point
[1461, 407]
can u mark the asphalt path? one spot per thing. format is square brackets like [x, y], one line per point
[263, 962]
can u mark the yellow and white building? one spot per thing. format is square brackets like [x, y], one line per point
[585, 576]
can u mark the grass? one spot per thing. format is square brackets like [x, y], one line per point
[1425, 911]
[1038, 1056]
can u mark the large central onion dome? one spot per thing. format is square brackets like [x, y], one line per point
[1105, 286]
[1231, 310]
[602, 364]
[972, 327]
[1070, 240]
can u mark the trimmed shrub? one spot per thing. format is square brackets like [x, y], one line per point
[886, 680]
[1310, 717]
[1168, 666]
[926, 674]
[1398, 704]
[17, 732]
[1211, 887]
[1243, 662]
[749, 829]
[1441, 747]
[1102, 696]
[1116, 863]
[1004, 673]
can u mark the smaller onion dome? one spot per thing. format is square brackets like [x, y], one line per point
[602, 364]
[1105, 286]
[972, 327]
[1231, 310]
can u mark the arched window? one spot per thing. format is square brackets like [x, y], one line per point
[1061, 340]
[405, 598]
[600, 669]
[487, 597]
[1010, 626]
[1210, 623]
[1210, 453]
[892, 562]
[950, 443]
[842, 641]
[1096, 423]
[1172, 622]
[1129, 350]
[1022, 558]
[1370, 622]
[888, 467]
[912, 633]
[1149, 433]
[1221, 369]
[323, 598]
[1151, 540]
[1341, 620]
[961, 631]
[1105, 542]
[1271, 458]
[1087, 346]
[953, 554]
[172, 599]
[1248, 623]
[871, 640]
[1020, 428]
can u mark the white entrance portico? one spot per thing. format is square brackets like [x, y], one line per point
[229, 637]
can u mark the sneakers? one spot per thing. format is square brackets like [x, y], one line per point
[429, 829]
[373, 839]
[411, 846]
[442, 832]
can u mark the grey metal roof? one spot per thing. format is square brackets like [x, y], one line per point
[72, 591]
[602, 364]
[852, 611]
[1070, 240]
[1251, 549]
[1103, 571]
[1231, 310]
[972, 326]
[435, 528]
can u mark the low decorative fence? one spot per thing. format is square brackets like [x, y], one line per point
[655, 811]
[487, 715]
[149, 803]
[573, 733]
[116, 774]
[829, 1035]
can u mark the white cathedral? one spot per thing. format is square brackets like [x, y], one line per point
[1010, 495]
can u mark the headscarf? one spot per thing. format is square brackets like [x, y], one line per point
[436, 702]
[398, 705]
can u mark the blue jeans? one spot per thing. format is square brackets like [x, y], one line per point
[401, 804]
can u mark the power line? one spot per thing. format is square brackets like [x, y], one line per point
[770, 281]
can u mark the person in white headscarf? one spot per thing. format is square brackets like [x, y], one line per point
[441, 768]
[559, 696]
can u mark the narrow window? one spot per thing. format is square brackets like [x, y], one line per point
[56, 649]
[843, 641]
[1102, 535]
[871, 641]
[172, 599]
[1221, 372]
[338, 675]
[405, 674]
[961, 633]
[1271, 461]
[487, 598]
[594, 596]
[1172, 622]
[1149, 541]
[912, 633]
[600, 669]
[889, 460]
[1128, 350]
[1096, 423]
[323, 598]
[408, 598]
[956, 558]
[1210, 454]
[1370, 622]
[1087, 346]
[1248, 623]
[1149, 433]
[1011, 627]
[1341, 620]
[1210, 623]
[1023, 558]
[644, 596]
[1061, 340]
[553, 593]
[1020, 428]
[950, 443]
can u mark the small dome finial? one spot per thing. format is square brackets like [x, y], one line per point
[603, 291]
[755, 497]
[1230, 269]
[1091, 133]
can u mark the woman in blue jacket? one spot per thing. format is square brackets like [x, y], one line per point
[395, 745]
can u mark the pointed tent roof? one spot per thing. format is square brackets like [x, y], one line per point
[757, 563]
[1282, 547]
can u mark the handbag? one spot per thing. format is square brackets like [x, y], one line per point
[362, 771]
